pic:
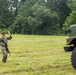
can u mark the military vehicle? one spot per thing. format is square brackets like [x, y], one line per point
[71, 44]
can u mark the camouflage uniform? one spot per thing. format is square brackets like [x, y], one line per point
[5, 52]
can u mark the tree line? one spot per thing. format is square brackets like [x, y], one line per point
[46, 17]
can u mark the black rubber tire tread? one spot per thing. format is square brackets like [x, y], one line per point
[73, 58]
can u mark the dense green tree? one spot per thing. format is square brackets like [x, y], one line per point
[23, 1]
[61, 7]
[72, 4]
[64, 11]
[37, 18]
[5, 15]
[70, 20]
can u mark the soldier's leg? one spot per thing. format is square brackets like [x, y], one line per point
[4, 55]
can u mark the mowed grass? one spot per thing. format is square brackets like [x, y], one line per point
[37, 55]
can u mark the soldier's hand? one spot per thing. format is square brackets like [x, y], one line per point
[9, 33]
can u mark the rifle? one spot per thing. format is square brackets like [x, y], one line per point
[6, 46]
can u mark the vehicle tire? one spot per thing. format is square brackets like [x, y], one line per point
[73, 58]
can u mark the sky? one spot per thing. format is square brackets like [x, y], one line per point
[19, 0]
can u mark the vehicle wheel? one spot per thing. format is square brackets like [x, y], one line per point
[73, 58]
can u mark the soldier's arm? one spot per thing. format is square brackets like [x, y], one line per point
[10, 36]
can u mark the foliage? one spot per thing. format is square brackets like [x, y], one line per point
[61, 7]
[35, 16]
[5, 14]
[70, 20]
[38, 20]
[72, 4]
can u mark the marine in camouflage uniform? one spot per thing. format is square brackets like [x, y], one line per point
[3, 43]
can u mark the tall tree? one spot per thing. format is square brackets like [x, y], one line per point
[70, 20]
[61, 7]
[36, 18]
[72, 4]
[23, 1]
[5, 15]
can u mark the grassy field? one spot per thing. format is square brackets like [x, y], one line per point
[37, 55]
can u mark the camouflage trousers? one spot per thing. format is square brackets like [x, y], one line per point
[5, 53]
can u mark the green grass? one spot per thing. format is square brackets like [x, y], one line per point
[37, 55]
